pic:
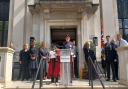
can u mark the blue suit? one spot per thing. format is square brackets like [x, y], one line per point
[110, 57]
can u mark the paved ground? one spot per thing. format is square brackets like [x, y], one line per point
[76, 83]
[1, 86]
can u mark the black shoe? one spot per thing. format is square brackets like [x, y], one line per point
[56, 79]
[52, 79]
[117, 78]
[107, 79]
[114, 80]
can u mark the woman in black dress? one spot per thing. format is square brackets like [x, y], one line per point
[24, 63]
[89, 58]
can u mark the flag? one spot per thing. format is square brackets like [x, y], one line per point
[102, 39]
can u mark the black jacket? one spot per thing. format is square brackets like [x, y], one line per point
[110, 52]
[24, 56]
[89, 53]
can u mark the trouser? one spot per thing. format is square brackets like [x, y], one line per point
[21, 72]
[33, 74]
[53, 69]
[24, 71]
[110, 64]
[116, 69]
[76, 67]
[43, 71]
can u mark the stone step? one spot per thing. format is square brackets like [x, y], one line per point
[70, 88]
[77, 84]
[1, 86]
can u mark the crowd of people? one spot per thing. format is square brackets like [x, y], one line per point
[109, 57]
[30, 57]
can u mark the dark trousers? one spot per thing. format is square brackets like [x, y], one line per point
[116, 70]
[91, 75]
[24, 71]
[33, 74]
[76, 67]
[42, 71]
[110, 64]
[53, 70]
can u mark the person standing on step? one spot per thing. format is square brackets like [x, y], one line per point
[24, 63]
[109, 59]
[44, 56]
[33, 52]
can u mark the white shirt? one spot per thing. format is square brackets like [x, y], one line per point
[123, 43]
[52, 54]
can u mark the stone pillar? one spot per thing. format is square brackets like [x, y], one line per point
[18, 24]
[42, 28]
[28, 25]
[6, 58]
[84, 38]
[10, 26]
[36, 26]
[97, 31]
[110, 17]
[123, 64]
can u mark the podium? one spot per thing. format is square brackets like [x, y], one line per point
[65, 78]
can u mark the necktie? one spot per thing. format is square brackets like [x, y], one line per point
[119, 43]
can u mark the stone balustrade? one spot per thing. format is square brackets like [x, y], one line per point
[6, 58]
[123, 64]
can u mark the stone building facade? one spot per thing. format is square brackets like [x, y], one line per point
[47, 19]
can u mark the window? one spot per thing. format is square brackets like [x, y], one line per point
[123, 17]
[4, 16]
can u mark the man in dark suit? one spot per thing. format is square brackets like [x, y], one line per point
[109, 58]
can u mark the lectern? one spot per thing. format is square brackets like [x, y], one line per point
[65, 78]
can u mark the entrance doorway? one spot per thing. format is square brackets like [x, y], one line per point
[58, 35]
[58, 38]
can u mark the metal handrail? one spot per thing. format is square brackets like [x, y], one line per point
[90, 74]
[100, 69]
[37, 75]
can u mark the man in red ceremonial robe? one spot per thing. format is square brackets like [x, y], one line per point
[54, 66]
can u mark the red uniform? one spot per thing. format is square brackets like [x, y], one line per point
[57, 66]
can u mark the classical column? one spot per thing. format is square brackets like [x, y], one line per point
[18, 24]
[84, 38]
[25, 22]
[42, 28]
[28, 25]
[109, 15]
[97, 32]
[10, 24]
[36, 26]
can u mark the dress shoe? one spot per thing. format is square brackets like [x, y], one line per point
[107, 79]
